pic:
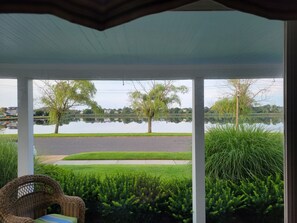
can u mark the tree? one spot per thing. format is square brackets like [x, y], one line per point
[2, 111]
[155, 98]
[224, 106]
[88, 111]
[41, 112]
[127, 111]
[60, 96]
[241, 100]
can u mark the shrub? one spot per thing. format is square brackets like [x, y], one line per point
[131, 198]
[118, 198]
[84, 186]
[222, 202]
[180, 200]
[264, 199]
[56, 172]
[8, 161]
[144, 198]
[247, 152]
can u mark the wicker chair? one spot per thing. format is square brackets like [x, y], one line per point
[28, 197]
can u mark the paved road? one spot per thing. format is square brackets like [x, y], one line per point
[70, 145]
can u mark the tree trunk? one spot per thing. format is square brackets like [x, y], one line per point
[57, 128]
[58, 123]
[237, 112]
[149, 125]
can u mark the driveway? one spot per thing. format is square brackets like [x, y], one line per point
[70, 145]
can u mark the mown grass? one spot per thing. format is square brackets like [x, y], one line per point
[8, 137]
[130, 156]
[163, 171]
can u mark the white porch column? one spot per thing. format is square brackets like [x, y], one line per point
[290, 121]
[25, 127]
[198, 152]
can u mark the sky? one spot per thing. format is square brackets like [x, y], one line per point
[114, 94]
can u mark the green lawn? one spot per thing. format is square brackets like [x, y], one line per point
[131, 156]
[164, 171]
[12, 137]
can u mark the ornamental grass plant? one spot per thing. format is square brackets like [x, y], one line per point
[243, 153]
[8, 160]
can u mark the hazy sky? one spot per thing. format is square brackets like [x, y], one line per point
[114, 94]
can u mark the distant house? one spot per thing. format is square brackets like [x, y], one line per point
[107, 111]
[11, 111]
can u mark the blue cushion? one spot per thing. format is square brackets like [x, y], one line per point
[56, 218]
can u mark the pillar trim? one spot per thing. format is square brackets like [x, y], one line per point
[25, 127]
[198, 152]
[290, 122]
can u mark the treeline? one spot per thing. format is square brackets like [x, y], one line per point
[127, 111]
[263, 109]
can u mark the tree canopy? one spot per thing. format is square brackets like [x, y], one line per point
[61, 95]
[241, 100]
[154, 98]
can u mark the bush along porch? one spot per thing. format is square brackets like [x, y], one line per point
[145, 198]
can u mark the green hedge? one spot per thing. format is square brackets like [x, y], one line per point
[144, 198]
[223, 201]
[263, 199]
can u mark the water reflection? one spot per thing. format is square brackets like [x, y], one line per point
[8, 124]
[125, 120]
[75, 124]
[272, 120]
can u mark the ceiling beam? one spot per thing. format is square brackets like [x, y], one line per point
[140, 72]
[203, 5]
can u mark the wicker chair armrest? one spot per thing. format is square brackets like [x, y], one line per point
[16, 219]
[73, 206]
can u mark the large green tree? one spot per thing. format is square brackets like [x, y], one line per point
[153, 99]
[241, 100]
[61, 95]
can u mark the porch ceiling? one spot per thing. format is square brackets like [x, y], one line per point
[166, 45]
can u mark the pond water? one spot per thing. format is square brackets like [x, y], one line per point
[130, 125]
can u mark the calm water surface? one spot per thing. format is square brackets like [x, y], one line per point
[85, 126]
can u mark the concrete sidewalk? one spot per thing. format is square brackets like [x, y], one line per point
[123, 162]
[50, 159]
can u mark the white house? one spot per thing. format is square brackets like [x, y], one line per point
[11, 111]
